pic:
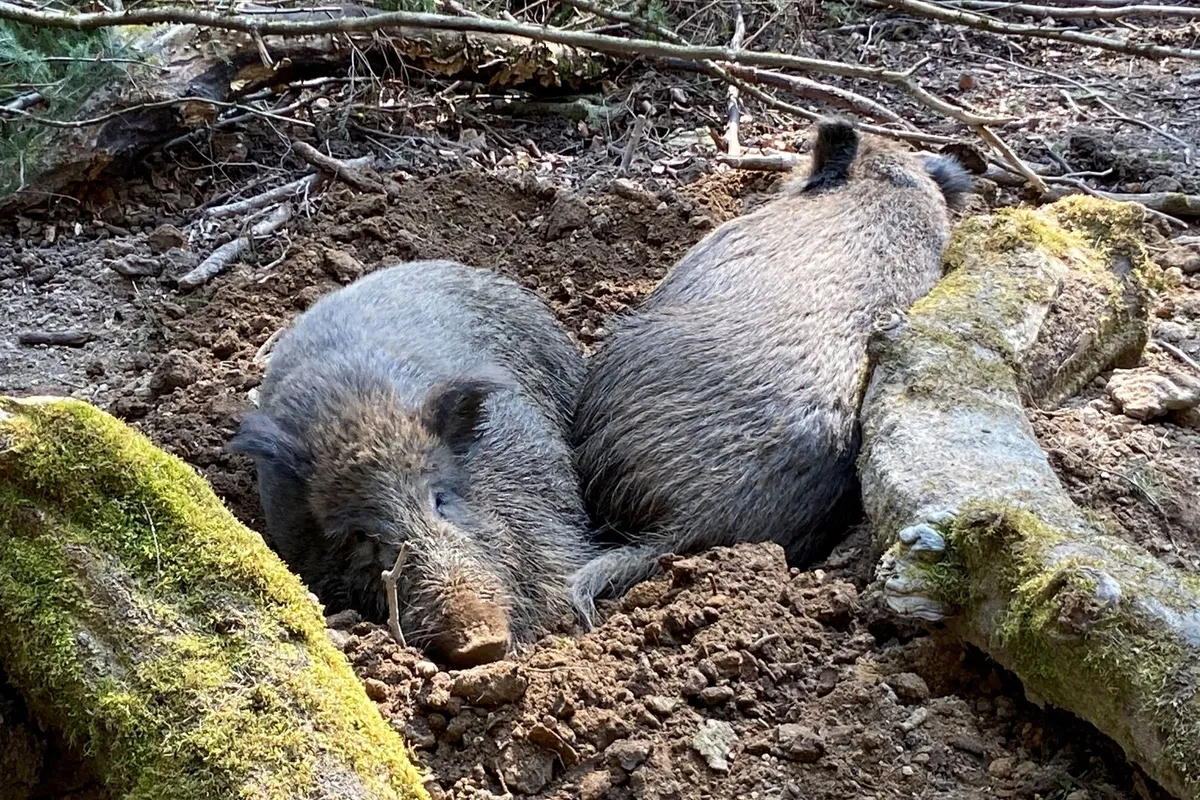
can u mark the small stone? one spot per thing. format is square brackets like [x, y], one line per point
[568, 213]
[343, 620]
[909, 687]
[728, 664]
[1002, 768]
[595, 785]
[906, 771]
[490, 684]
[174, 310]
[628, 754]
[526, 770]
[716, 695]
[714, 741]
[165, 237]
[799, 743]
[377, 690]
[425, 669]
[178, 370]
[661, 706]
[694, 682]
[1171, 332]
[339, 639]
[341, 266]
[226, 344]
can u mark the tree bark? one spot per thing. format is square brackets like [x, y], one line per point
[223, 66]
[976, 526]
[152, 629]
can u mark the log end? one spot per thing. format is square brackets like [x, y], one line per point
[146, 623]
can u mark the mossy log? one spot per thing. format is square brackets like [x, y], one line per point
[225, 66]
[976, 527]
[162, 637]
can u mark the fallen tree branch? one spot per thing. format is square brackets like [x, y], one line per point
[175, 101]
[1011, 157]
[1117, 11]
[153, 630]
[225, 255]
[399, 19]
[729, 72]
[733, 142]
[976, 527]
[342, 170]
[992, 25]
[815, 90]
[298, 186]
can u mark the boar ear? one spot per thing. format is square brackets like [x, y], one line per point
[833, 153]
[454, 411]
[261, 437]
[950, 176]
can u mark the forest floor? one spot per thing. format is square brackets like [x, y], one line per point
[732, 675]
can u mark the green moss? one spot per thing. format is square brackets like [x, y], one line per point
[216, 650]
[1055, 637]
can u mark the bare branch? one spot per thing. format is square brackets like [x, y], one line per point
[87, 123]
[399, 19]
[278, 193]
[1115, 11]
[732, 138]
[805, 87]
[226, 254]
[340, 169]
[1012, 158]
[993, 25]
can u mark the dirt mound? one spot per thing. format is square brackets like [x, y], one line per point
[732, 676]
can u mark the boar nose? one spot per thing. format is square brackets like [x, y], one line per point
[474, 631]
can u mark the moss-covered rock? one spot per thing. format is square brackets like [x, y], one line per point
[162, 636]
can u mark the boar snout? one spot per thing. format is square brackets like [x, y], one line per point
[473, 630]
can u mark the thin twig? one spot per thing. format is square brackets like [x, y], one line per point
[635, 137]
[390, 579]
[1012, 158]
[278, 193]
[339, 169]
[992, 25]
[1187, 148]
[228, 253]
[733, 141]
[1175, 351]
[154, 539]
[85, 123]
[1093, 12]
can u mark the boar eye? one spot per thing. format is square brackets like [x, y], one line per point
[359, 536]
[440, 500]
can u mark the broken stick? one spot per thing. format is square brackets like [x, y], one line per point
[342, 170]
[390, 579]
[225, 255]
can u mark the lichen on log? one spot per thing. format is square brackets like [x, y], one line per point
[163, 637]
[976, 528]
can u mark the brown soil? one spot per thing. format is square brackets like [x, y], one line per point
[733, 676]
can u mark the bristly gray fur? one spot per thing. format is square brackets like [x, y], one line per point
[724, 409]
[427, 403]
